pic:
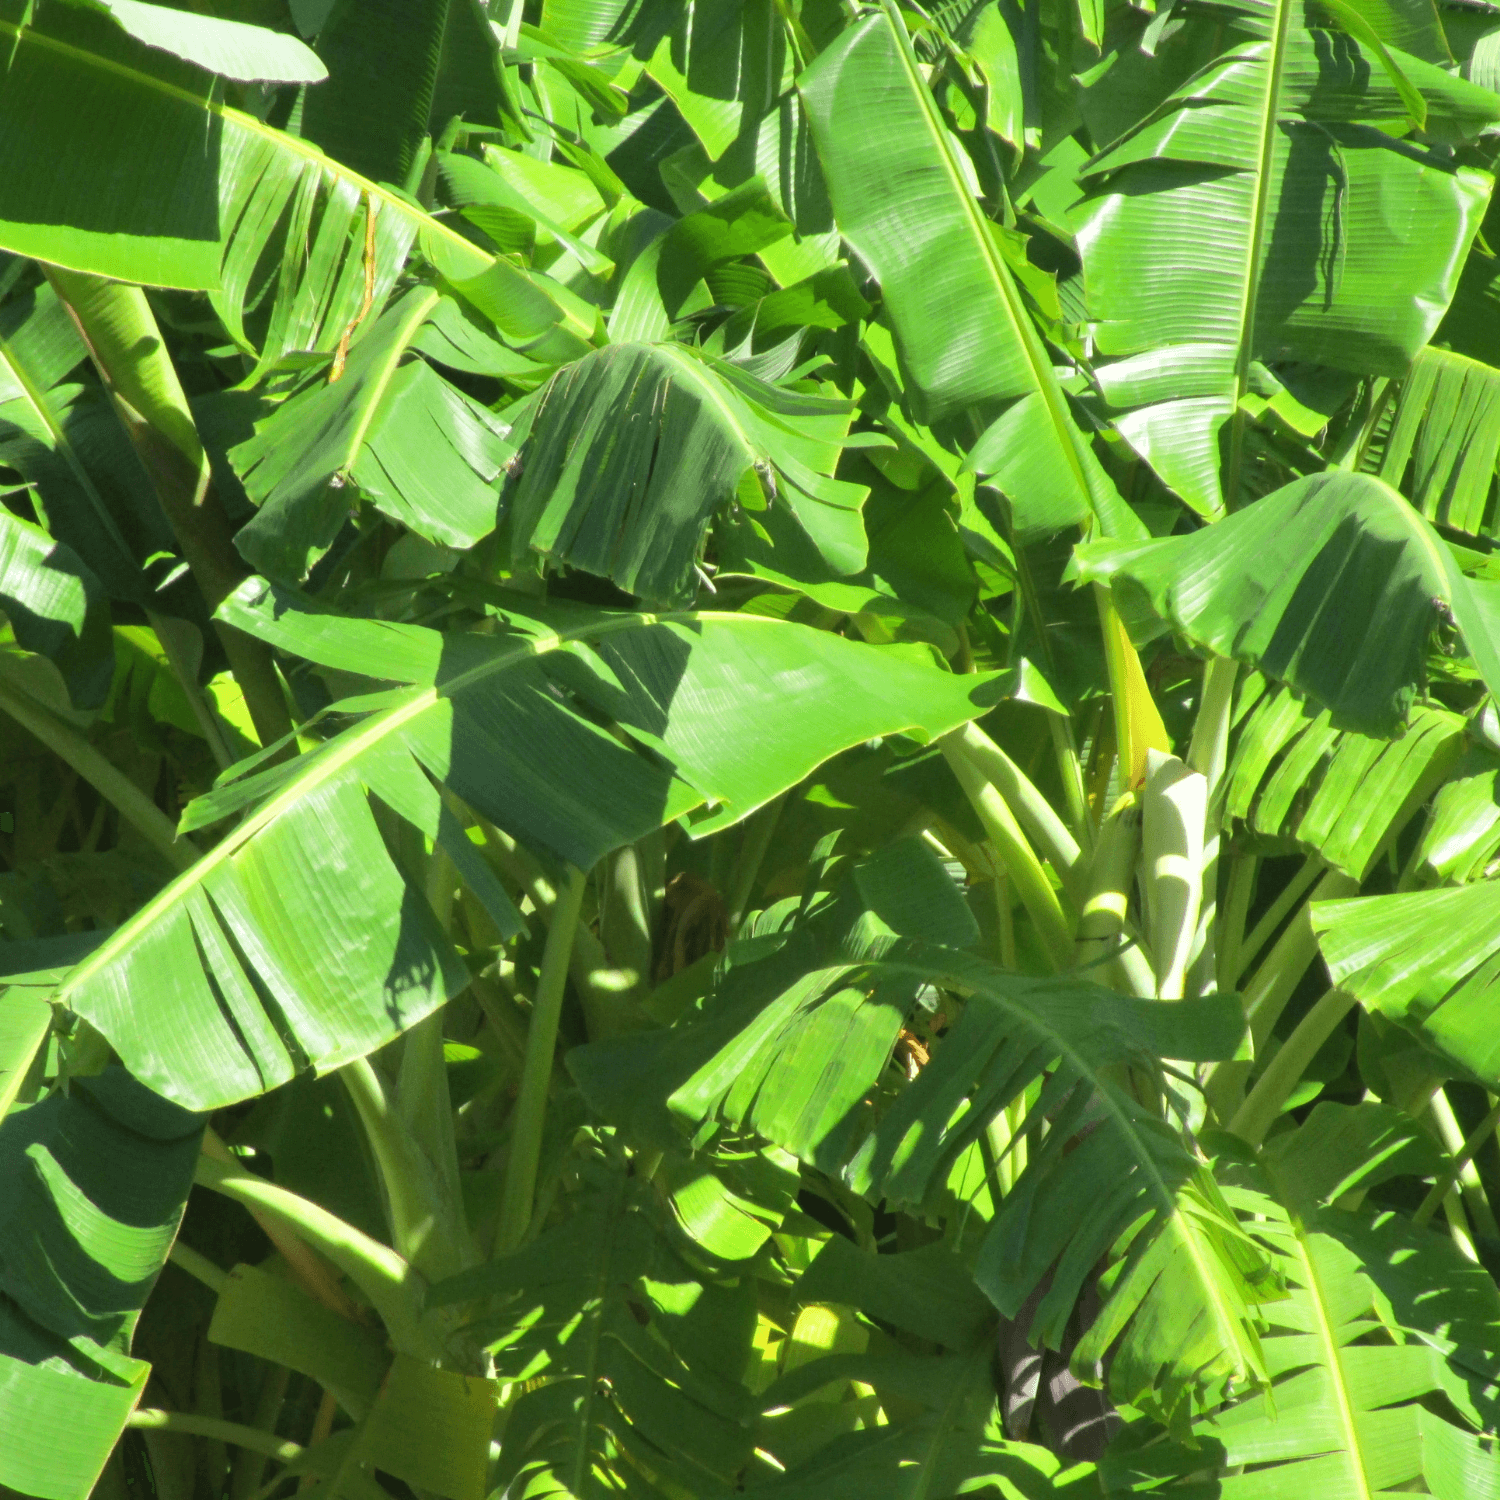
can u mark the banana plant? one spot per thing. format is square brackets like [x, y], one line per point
[766, 734]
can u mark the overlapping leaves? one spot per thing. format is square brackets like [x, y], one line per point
[297, 940]
[793, 1052]
[1258, 214]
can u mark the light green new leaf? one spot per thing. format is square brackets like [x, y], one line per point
[251, 54]
[297, 942]
[93, 1184]
[1426, 959]
[391, 431]
[904, 202]
[55, 606]
[629, 451]
[1333, 584]
[170, 187]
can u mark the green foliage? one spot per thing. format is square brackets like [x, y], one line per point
[766, 731]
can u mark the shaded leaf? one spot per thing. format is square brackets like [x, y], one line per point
[296, 941]
[391, 431]
[1332, 584]
[55, 606]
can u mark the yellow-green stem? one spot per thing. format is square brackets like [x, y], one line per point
[1463, 1159]
[395, 1290]
[1032, 810]
[1275, 915]
[1274, 1087]
[426, 1222]
[530, 1111]
[1018, 857]
[237, 1433]
[1462, 1150]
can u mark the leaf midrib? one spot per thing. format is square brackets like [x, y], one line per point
[332, 763]
[421, 305]
[1333, 1364]
[293, 145]
[347, 749]
[1250, 286]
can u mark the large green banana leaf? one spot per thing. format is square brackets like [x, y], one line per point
[904, 200]
[297, 941]
[168, 186]
[795, 1038]
[1333, 584]
[1264, 212]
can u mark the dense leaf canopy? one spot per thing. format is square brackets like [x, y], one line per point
[767, 731]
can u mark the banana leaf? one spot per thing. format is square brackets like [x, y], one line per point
[904, 202]
[1333, 584]
[297, 941]
[1263, 212]
[171, 187]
